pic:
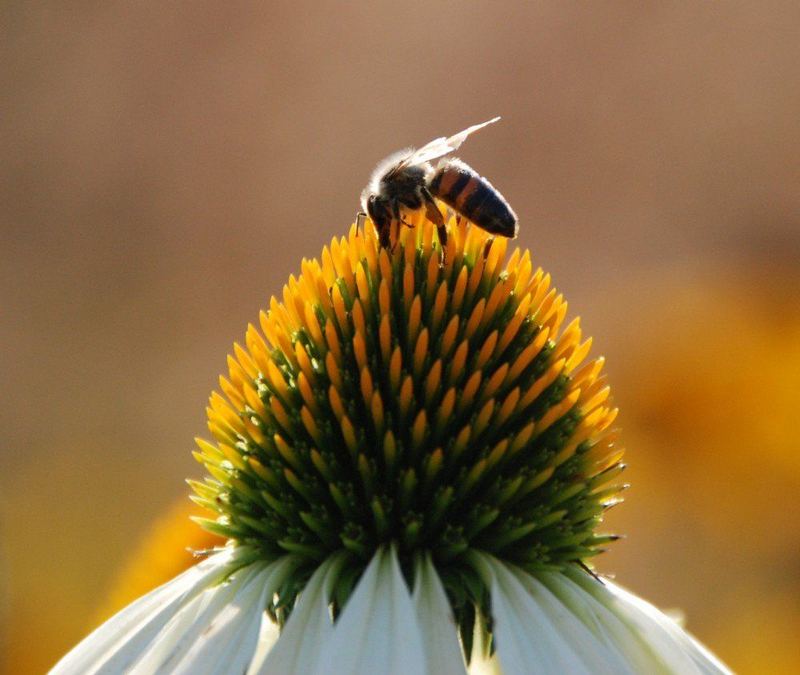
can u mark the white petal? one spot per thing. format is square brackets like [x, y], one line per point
[267, 638]
[673, 648]
[217, 631]
[118, 643]
[377, 632]
[535, 632]
[599, 619]
[309, 627]
[175, 637]
[436, 622]
[481, 662]
[484, 665]
[571, 622]
[601, 656]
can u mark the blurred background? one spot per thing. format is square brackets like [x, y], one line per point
[166, 166]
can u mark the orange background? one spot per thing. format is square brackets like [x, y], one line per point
[165, 168]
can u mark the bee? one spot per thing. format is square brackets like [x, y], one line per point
[407, 180]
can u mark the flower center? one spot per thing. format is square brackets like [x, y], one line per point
[398, 399]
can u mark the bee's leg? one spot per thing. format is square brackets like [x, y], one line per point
[384, 230]
[381, 219]
[361, 217]
[398, 215]
[435, 216]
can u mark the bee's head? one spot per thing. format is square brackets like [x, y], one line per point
[374, 204]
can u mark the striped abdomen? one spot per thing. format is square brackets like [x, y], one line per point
[458, 186]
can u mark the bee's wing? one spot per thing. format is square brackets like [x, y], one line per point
[461, 136]
[439, 147]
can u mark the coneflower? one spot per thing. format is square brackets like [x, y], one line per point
[410, 462]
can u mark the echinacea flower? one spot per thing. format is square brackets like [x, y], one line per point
[410, 468]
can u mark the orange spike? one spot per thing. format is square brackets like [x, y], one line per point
[509, 406]
[432, 277]
[528, 354]
[439, 305]
[521, 438]
[367, 387]
[511, 330]
[487, 349]
[332, 340]
[414, 319]
[523, 271]
[541, 384]
[276, 380]
[433, 381]
[340, 309]
[445, 409]
[332, 369]
[385, 266]
[470, 389]
[311, 426]
[349, 435]
[385, 336]
[307, 393]
[360, 350]
[234, 396]
[499, 293]
[312, 326]
[245, 361]
[459, 290]
[384, 298]
[475, 318]
[578, 355]
[359, 320]
[476, 276]
[449, 337]
[558, 411]
[363, 287]
[456, 368]
[254, 401]
[482, 420]
[406, 395]
[376, 408]
[420, 352]
[279, 413]
[408, 287]
[304, 362]
[419, 427]
[494, 382]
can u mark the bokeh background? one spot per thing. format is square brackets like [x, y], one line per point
[165, 166]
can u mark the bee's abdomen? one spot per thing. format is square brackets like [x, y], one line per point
[461, 188]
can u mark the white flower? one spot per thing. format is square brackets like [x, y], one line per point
[409, 425]
[212, 619]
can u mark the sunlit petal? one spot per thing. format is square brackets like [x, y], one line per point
[120, 641]
[671, 645]
[308, 629]
[534, 631]
[219, 628]
[436, 622]
[377, 632]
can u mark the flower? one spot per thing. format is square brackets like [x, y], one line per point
[410, 467]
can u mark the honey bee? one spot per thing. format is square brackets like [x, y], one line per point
[407, 180]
